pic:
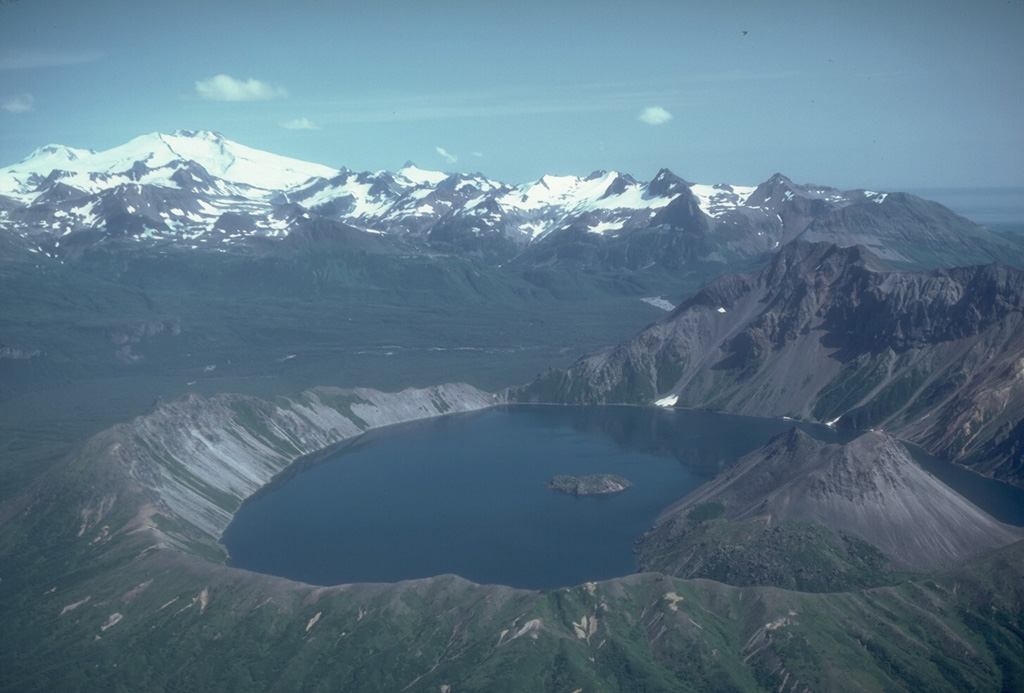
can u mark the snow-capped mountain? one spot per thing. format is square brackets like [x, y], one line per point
[153, 159]
[199, 190]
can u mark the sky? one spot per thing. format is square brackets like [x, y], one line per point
[893, 95]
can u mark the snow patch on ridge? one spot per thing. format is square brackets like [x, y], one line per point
[716, 200]
[418, 176]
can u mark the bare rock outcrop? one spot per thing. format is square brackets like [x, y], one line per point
[196, 459]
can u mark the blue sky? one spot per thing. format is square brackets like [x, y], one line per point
[884, 95]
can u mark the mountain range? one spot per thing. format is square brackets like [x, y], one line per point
[199, 190]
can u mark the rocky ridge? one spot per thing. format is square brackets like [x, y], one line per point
[833, 335]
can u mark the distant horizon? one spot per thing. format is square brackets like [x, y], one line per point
[870, 95]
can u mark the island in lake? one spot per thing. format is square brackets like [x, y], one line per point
[591, 485]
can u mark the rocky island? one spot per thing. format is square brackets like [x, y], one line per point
[591, 485]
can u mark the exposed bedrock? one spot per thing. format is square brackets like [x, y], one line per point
[196, 459]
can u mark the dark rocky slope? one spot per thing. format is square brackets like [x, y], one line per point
[834, 335]
[868, 490]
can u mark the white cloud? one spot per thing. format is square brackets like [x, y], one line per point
[450, 158]
[227, 88]
[654, 115]
[300, 124]
[22, 103]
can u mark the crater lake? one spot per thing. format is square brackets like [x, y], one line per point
[465, 494]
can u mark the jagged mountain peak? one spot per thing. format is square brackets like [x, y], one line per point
[665, 184]
[779, 190]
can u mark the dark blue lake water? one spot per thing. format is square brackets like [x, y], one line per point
[465, 494]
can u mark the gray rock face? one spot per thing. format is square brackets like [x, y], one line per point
[834, 335]
[869, 488]
[196, 459]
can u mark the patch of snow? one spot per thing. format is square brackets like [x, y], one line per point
[603, 226]
[577, 195]
[419, 176]
[533, 229]
[658, 302]
[363, 204]
[716, 200]
[721, 309]
[669, 401]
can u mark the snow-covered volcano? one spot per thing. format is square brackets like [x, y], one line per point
[152, 160]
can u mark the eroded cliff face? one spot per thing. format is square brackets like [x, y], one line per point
[194, 460]
[833, 335]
